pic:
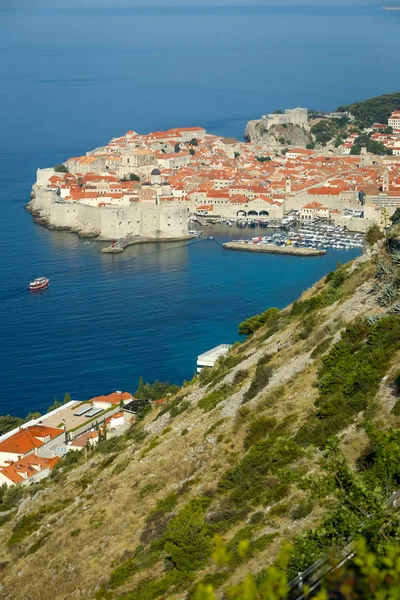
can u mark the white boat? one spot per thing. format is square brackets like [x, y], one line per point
[40, 283]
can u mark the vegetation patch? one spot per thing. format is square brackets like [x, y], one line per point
[260, 381]
[210, 401]
[254, 480]
[188, 541]
[349, 377]
[327, 297]
[321, 348]
[269, 317]
[149, 488]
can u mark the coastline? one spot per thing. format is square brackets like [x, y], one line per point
[269, 249]
[95, 235]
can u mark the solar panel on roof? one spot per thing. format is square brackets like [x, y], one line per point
[81, 411]
[94, 412]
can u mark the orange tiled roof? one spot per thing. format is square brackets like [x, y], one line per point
[26, 440]
[114, 398]
[27, 467]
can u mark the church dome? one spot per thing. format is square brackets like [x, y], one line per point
[156, 172]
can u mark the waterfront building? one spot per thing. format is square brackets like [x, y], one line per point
[209, 358]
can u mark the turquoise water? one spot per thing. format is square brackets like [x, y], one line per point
[72, 77]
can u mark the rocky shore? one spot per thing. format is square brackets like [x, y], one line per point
[270, 249]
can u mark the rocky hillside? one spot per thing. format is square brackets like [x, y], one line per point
[276, 137]
[244, 453]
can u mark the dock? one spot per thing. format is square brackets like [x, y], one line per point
[271, 249]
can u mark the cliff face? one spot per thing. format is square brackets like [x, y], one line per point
[231, 454]
[276, 137]
[146, 220]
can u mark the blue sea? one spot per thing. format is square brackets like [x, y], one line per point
[73, 75]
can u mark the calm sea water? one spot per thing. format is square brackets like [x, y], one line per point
[73, 76]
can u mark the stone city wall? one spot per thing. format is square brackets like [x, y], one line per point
[147, 220]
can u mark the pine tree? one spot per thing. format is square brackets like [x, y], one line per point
[140, 393]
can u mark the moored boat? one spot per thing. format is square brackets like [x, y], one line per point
[40, 283]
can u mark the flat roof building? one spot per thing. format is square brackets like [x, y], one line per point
[209, 358]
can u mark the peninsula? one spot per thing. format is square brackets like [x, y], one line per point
[145, 187]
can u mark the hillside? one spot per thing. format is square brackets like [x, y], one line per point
[374, 110]
[243, 451]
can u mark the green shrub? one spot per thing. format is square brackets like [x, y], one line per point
[397, 383]
[240, 376]
[265, 359]
[178, 409]
[349, 377]
[253, 480]
[225, 515]
[148, 489]
[302, 510]
[321, 348]
[75, 532]
[115, 444]
[308, 325]
[262, 542]
[260, 380]
[214, 398]
[328, 296]
[396, 409]
[165, 504]
[257, 518]
[271, 398]
[258, 430]
[140, 561]
[170, 584]
[188, 541]
[184, 431]
[24, 528]
[269, 317]
[279, 510]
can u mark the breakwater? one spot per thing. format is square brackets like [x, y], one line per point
[120, 245]
[271, 249]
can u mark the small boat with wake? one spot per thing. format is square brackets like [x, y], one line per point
[40, 283]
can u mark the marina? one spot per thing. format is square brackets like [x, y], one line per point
[313, 236]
